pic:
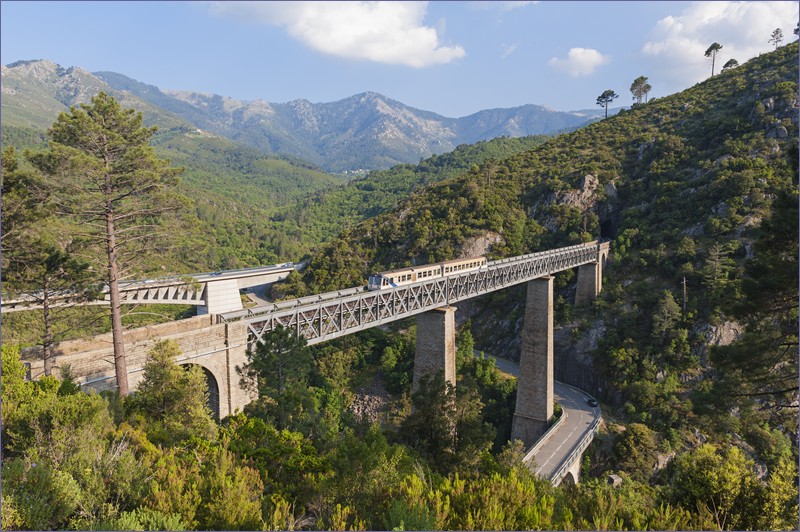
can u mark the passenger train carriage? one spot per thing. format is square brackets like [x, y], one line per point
[405, 276]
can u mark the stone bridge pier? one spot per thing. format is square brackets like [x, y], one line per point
[436, 348]
[535, 384]
[436, 345]
[534, 410]
[590, 277]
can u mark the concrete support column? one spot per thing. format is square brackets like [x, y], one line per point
[535, 384]
[590, 279]
[436, 345]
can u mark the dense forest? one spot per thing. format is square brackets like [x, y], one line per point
[694, 357]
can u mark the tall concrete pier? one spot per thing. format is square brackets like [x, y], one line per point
[590, 279]
[535, 384]
[436, 345]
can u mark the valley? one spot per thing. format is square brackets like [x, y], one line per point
[690, 346]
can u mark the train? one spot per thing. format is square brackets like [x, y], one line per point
[406, 276]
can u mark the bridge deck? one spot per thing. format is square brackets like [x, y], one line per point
[326, 316]
[551, 453]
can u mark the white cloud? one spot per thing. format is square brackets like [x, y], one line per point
[678, 43]
[580, 62]
[508, 49]
[502, 6]
[383, 32]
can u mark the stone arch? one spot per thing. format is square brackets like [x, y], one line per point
[568, 479]
[213, 389]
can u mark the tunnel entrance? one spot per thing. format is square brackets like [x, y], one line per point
[608, 230]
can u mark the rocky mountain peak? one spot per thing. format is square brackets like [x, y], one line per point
[364, 131]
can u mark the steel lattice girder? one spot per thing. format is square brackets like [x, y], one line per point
[336, 314]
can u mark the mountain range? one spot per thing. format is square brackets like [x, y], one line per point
[363, 132]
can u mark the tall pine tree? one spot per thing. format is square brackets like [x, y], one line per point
[105, 174]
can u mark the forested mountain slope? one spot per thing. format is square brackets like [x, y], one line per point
[697, 192]
[322, 215]
[700, 402]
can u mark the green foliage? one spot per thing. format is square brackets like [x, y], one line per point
[447, 428]
[718, 480]
[143, 519]
[397, 361]
[287, 461]
[174, 399]
[366, 471]
[280, 359]
[231, 494]
[174, 486]
[636, 451]
[42, 497]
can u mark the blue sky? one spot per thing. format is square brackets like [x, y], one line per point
[452, 58]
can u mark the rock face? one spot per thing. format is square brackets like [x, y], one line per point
[371, 401]
[589, 196]
[479, 246]
[724, 333]
[573, 360]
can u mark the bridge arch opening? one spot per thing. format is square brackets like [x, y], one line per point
[213, 388]
[568, 479]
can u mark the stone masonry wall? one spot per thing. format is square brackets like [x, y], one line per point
[219, 348]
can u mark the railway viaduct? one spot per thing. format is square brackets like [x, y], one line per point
[217, 340]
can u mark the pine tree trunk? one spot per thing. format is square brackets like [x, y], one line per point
[120, 364]
[47, 339]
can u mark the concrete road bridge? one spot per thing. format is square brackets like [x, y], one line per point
[219, 342]
[212, 293]
[556, 456]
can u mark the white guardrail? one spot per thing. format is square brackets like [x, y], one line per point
[576, 452]
[546, 436]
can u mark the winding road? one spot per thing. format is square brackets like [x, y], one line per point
[559, 442]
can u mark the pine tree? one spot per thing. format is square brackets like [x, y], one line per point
[38, 261]
[607, 97]
[106, 175]
[640, 88]
[712, 53]
[776, 38]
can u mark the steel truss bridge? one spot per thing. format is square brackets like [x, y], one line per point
[334, 314]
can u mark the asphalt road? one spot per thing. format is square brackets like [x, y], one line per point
[560, 442]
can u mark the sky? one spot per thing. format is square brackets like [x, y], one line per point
[451, 58]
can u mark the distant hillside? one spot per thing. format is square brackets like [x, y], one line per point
[365, 131]
[322, 215]
[35, 92]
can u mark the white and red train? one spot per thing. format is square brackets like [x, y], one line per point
[404, 276]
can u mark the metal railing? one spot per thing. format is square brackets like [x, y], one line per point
[334, 314]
